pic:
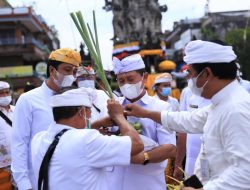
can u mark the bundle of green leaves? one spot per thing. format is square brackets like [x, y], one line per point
[92, 43]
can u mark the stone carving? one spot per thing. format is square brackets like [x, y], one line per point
[136, 20]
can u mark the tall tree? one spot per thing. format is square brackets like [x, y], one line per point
[240, 40]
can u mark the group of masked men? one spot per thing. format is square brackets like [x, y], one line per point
[62, 137]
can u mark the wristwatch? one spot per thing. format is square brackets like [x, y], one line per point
[146, 158]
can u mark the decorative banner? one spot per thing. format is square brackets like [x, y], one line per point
[17, 71]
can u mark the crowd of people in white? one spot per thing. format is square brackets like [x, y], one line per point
[62, 138]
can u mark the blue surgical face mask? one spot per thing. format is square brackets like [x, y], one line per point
[165, 91]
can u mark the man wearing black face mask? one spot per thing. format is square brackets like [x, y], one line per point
[33, 113]
[224, 160]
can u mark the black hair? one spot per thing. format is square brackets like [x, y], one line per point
[217, 41]
[28, 87]
[54, 64]
[65, 112]
[220, 70]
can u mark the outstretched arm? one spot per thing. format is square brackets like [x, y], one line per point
[138, 111]
[116, 112]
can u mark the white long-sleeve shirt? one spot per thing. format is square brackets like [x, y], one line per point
[225, 125]
[245, 84]
[5, 137]
[32, 115]
[190, 102]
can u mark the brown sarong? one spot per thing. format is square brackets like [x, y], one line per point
[5, 180]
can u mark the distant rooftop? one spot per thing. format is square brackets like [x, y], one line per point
[24, 15]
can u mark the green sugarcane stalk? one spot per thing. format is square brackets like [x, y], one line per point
[93, 46]
[99, 54]
[96, 36]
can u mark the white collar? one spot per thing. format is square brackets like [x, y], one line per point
[55, 128]
[224, 92]
[47, 89]
[146, 99]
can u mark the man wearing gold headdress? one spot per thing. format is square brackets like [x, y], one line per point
[33, 113]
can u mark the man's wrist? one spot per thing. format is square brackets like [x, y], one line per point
[146, 158]
[146, 113]
[118, 119]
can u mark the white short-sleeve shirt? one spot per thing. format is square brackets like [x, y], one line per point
[80, 157]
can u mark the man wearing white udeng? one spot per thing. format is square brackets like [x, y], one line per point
[224, 161]
[80, 155]
[159, 145]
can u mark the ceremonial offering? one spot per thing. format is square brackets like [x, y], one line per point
[191, 181]
[137, 126]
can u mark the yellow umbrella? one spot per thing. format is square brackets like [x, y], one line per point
[167, 65]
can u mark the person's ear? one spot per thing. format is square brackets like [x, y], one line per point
[51, 70]
[207, 73]
[80, 112]
[145, 77]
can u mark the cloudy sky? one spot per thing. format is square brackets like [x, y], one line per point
[56, 12]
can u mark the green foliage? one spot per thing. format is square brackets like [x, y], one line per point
[240, 40]
[92, 43]
[208, 34]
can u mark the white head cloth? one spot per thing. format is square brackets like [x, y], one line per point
[130, 63]
[84, 71]
[76, 97]
[164, 77]
[199, 51]
[4, 85]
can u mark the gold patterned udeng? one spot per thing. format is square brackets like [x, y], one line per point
[66, 55]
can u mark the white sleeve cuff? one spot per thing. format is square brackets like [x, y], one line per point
[164, 120]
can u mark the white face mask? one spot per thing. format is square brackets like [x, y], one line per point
[5, 101]
[86, 84]
[131, 91]
[193, 87]
[64, 80]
